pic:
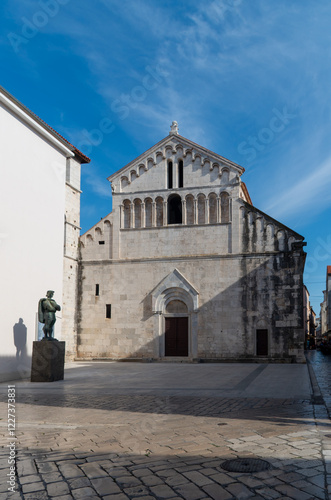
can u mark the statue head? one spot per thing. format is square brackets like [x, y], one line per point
[49, 294]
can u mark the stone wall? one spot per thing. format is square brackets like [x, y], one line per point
[237, 295]
[71, 254]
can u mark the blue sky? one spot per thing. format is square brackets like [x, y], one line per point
[248, 79]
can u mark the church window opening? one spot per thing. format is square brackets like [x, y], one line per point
[97, 290]
[180, 174]
[170, 175]
[101, 242]
[108, 311]
[175, 209]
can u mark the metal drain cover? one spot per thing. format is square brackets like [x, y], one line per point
[245, 465]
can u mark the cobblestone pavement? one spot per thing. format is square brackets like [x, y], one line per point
[75, 444]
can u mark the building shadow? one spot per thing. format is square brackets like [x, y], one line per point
[18, 366]
[20, 335]
[278, 411]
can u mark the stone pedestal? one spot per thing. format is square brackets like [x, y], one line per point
[47, 361]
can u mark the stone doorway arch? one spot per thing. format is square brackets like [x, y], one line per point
[175, 304]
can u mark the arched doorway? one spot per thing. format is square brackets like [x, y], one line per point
[175, 305]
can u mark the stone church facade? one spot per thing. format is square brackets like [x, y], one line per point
[186, 268]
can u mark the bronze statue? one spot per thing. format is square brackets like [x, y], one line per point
[46, 314]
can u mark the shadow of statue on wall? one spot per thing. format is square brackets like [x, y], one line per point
[19, 331]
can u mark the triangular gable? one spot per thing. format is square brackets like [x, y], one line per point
[173, 142]
[174, 282]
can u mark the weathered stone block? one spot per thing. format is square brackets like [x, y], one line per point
[47, 361]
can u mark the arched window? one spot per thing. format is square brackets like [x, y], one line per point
[174, 209]
[201, 209]
[170, 183]
[189, 209]
[137, 213]
[225, 207]
[180, 174]
[212, 208]
[127, 213]
[148, 212]
[159, 211]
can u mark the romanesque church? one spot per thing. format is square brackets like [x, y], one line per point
[186, 268]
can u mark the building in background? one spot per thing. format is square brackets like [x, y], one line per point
[309, 321]
[318, 331]
[185, 267]
[325, 315]
[39, 231]
[312, 328]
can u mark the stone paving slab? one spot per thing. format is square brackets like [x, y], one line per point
[122, 444]
[179, 379]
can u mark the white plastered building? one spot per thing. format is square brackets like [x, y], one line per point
[39, 231]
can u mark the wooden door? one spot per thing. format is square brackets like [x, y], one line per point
[176, 336]
[262, 342]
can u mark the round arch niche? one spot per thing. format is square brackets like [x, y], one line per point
[176, 307]
[175, 209]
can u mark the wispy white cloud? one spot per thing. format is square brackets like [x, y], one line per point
[310, 196]
[96, 182]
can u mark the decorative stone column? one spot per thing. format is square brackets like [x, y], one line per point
[142, 215]
[195, 208]
[165, 212]
[153, 214]
[206, 210]
[218, 209]
[184, 218]
[132, 218]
